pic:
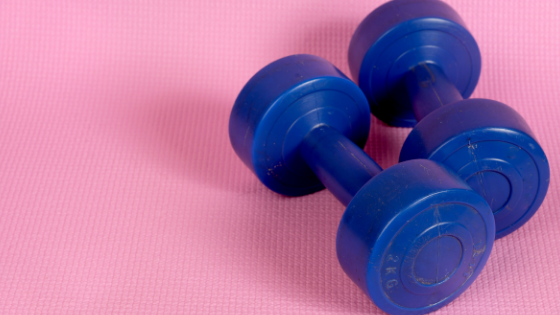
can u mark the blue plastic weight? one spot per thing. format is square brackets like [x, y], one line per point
[416, 62]
[413, 237]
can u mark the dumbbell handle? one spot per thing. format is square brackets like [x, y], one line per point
[341, 165]
[429, 89]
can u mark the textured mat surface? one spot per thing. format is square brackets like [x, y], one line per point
[119, 190]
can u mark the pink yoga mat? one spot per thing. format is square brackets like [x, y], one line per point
[120, 192]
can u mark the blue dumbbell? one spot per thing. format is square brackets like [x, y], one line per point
[416, 62]
[413, 237]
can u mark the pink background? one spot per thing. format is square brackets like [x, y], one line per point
[120, 192]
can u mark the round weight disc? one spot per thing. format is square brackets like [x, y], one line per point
[401, 34]
[415, 237]
[492, 148]
[280, 105]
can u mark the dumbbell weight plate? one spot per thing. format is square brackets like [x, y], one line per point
[414, 237]
[492, 148]
[397, 36]
[277, 108]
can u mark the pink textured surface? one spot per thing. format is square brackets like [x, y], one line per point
[120, 192]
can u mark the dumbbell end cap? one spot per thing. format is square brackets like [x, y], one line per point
[415, 237]
[278, 107]
[490, 146]
[402, 34]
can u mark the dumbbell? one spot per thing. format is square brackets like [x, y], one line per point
[416, 62]
[413, 237]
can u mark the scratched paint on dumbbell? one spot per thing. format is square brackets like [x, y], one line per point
[477, 250]
[479, 174]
